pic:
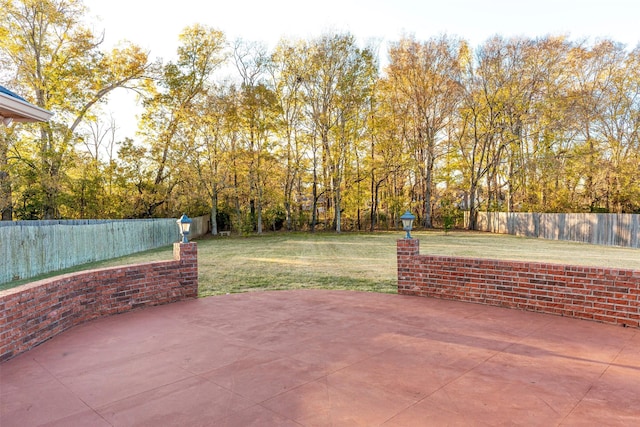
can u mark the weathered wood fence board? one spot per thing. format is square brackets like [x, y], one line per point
[200, 226]
[30, 248]
[595, 228]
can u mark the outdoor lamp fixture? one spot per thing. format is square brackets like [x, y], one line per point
[407, 223]
[184, 223]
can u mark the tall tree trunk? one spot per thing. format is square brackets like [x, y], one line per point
[214, 211]
[337, 207]
[314, 196]
[314, 207]
[259, 214]
[288, 185]
[6, 200]
[427, 198]
[287, 209]
[473, 210]
[374, 190]
[288, 198]
[374, 204]
[428, 184]
[510, 186]
[237, 201]
[490, 192]
[50, 187]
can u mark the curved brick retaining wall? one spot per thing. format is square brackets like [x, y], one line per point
[33, 313]
[606, 295]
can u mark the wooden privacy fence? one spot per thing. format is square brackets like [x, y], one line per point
[200, 226]
[30, 248]
[595, 228]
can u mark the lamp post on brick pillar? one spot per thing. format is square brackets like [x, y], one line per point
[407, 248]
[187, 253]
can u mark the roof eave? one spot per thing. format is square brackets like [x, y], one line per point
[21, 111]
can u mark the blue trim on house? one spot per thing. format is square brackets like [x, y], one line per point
[8, 92]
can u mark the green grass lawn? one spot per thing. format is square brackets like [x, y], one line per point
[355, 261]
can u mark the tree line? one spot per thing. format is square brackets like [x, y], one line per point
[315, 133]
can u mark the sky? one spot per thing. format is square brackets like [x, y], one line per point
[155, 24]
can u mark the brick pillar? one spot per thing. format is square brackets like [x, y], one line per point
[187, 254]
[406, 250]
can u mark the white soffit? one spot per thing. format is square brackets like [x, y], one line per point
[21, 111]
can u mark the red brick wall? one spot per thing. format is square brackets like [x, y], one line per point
[606, 295]
[33, 313]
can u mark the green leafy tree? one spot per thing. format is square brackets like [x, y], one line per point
[257, 114]
[286, 70]
[425, 86]
[215, 134]
[58, 65]
[338, 82]
[181, 86]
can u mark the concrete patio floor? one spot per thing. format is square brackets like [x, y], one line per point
[327, 358]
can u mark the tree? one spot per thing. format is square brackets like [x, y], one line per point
[481, 114]
[59, 66]
[538, 160]
[258, 109]
[312, 132]
[608, 104]
[215, 135]
[425, 80]
[388, 159]
[6, 198]
[337, 83]
[286, 69]
[182, 85]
